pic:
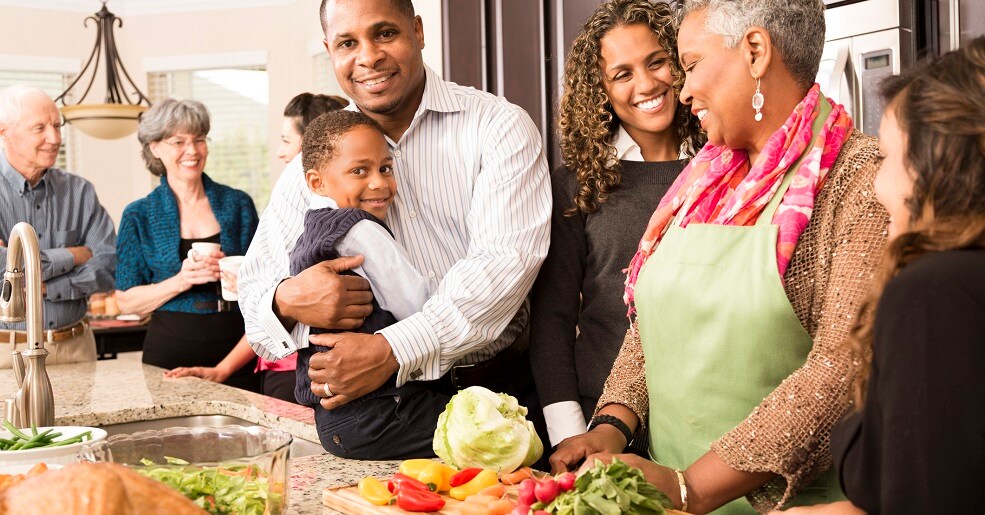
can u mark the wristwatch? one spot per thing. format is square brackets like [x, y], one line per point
[612, 421]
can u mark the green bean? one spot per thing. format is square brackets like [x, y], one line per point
[21, 441]
[14, 430]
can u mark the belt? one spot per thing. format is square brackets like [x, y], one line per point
[218, 305]
[508, 366]
[50, 336]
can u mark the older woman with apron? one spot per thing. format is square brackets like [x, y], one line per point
[747, 276]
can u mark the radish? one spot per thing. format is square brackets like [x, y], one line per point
[566, 481]
[546, 490]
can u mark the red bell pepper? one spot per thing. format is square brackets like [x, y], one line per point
[400, 482]
[410, 499]
[464, 476]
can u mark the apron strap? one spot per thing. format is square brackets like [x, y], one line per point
[766, 217]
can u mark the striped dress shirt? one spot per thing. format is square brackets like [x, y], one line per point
[65, 212]
[473, 211]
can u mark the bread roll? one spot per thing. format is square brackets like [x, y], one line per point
[90, 488]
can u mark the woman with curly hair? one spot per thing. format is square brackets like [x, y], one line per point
[624, 139]
[915, 444]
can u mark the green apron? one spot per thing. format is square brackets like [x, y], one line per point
[719, 335]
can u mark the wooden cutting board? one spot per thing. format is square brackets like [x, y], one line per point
[346, 499]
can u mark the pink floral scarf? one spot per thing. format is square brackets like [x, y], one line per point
[718, 186]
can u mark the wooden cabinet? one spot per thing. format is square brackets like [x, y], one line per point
[514, 48]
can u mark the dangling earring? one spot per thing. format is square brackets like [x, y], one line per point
[758, 101]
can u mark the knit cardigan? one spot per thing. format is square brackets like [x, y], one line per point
[831, 271]
[150, 234]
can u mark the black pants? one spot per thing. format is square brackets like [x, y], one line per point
[396, 423]
[278, 384]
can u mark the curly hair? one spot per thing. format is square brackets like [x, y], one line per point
[940, 108]
[587, 123]
[321, 138]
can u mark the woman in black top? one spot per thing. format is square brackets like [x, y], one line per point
[917, 444]
[624, 140]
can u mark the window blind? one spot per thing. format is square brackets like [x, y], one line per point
[237, 100]
[52, 83]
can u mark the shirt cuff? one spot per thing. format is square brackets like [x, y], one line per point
[564, 420]
[281, 342]
[416, 348]
[61, 261]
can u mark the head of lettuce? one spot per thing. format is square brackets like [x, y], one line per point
[481, 428]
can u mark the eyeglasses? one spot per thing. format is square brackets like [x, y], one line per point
[181, 144]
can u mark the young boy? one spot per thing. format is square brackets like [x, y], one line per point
[350, 172]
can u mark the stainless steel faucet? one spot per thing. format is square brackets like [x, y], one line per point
[34, 402]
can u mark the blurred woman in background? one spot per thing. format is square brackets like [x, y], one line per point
[300, 111]
[277, 378]
[624, 140]
[157, 269]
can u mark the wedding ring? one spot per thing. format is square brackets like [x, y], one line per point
[328, 393]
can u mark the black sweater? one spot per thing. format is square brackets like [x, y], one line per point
[578, 318]
[918, 446]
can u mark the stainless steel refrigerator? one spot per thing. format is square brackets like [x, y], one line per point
[869, 40]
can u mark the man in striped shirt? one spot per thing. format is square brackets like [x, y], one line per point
[75, 234]
[473, 212]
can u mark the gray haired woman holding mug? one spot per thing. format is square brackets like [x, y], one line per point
[158, 270]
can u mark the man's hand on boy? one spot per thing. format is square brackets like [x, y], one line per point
[358, 364]
[321, 297]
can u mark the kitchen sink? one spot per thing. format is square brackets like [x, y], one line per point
[299, 447]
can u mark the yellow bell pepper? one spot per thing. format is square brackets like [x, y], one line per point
[374, 491]
[483, 480]
[432, 473]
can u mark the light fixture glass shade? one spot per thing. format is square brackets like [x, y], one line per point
[104, 121]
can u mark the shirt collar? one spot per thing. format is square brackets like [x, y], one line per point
[626, 148]
[14, 178]
[321, 202]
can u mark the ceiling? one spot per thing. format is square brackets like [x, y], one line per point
[138, 7]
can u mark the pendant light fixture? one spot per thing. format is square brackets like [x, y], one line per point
[124, 102]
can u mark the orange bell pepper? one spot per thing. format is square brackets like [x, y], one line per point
[484, 479]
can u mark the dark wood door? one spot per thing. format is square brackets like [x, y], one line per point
[514, 48]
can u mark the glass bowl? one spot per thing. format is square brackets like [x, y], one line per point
[226, 469]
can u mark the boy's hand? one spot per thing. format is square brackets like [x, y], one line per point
[321, 297]
[357, 364]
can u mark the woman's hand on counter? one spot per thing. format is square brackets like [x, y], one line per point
[214, 374]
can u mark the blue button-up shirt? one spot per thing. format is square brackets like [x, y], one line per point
[64, 211]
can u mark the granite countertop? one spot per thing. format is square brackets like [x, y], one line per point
[125, 390]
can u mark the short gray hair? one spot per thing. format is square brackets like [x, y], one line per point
[166, 118]
[12, 100]
[796, 28]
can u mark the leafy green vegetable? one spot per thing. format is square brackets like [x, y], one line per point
[481, 428]
[233, 489]
[609, 490]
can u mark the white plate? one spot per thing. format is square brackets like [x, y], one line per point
[16, 462]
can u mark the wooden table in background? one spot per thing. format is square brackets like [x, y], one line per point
[114, 336]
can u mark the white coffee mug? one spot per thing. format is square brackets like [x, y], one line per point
[229, 264]
[205, 248]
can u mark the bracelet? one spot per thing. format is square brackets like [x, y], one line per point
[683, 485]
[614, 422]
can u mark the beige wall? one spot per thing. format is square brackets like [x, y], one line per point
[287, 34]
